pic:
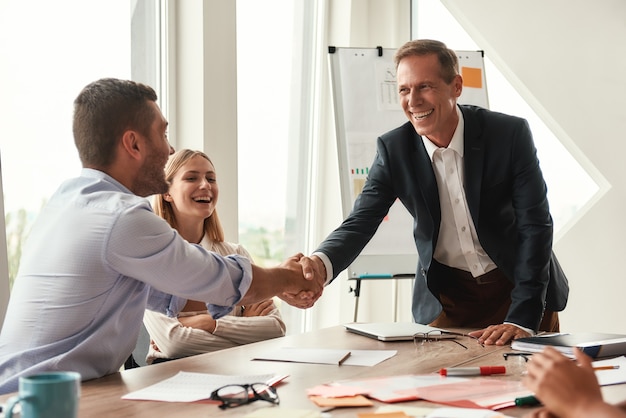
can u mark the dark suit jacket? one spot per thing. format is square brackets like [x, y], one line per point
[506, 195]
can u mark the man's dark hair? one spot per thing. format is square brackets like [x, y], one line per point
[103, 111]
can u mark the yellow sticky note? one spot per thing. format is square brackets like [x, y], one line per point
[472, 77]
[271, 412]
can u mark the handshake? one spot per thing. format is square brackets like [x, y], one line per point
[299, 281]
[309, 278]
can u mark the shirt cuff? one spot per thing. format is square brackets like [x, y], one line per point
[327, 264]
[218, 311]
[528, 330]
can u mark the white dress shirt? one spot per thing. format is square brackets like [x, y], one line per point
[96, 257]
[457, 244]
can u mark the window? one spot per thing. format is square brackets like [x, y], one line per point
[264, 75]
[276, 69]
[50, 51]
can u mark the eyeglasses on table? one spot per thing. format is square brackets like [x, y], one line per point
[237, 395]
[437, 335]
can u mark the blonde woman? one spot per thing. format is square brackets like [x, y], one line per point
[189, 207]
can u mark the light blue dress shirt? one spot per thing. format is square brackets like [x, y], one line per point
[95, 259]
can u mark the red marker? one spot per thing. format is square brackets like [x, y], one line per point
[472, 371]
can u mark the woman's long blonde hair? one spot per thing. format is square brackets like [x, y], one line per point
[212, 225]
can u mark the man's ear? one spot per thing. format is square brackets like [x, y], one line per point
[458, 85]
[132, 144]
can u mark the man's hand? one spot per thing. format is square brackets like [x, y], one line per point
[285, 281]
[564, 387]
[541, 413]
[306, 290]
[499, 334]
[314, 269]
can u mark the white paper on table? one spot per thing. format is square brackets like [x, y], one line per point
[191, 387]
[327, 356]
[611, 377]
[284, 413]
[306, 355]
[464, 413]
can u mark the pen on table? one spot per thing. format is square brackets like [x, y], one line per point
[606, 367]
[344, 358]
[472, 371]
[527, 401]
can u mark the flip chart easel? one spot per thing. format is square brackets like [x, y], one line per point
[366, 105]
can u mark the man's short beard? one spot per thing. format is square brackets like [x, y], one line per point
[150, 187]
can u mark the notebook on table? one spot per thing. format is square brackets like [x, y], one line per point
[389, 331]
[593, 344]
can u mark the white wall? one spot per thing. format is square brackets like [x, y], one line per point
[202, 102]
[568, 59]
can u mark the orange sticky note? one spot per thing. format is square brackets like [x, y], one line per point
[329, 391]
[472, 77]
[339, 402]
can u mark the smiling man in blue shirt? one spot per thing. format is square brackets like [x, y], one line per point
[97, 256]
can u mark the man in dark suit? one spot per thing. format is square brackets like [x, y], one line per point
[471, 180]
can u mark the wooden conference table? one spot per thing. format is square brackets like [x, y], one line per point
[102, 397]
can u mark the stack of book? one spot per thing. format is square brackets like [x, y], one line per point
[595, 345]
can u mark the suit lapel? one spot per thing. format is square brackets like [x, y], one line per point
[474, 153]
[426, 182]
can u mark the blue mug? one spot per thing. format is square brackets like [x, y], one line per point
[47, 395]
